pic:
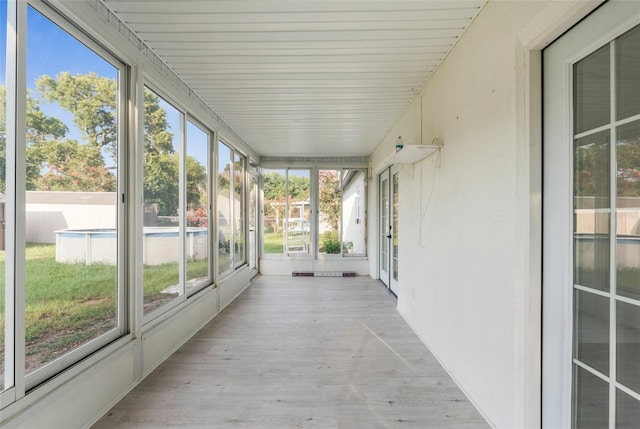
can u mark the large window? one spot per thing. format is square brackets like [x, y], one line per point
[290, 200]
[341, 217]
[231, 208]
[162, 231]
[287, 211]
[196, 251]
[72, 213]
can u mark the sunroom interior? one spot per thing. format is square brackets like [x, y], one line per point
[158, 159]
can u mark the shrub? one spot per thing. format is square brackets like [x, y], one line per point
[329, 242]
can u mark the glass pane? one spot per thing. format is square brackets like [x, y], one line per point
[329, 198]
[628, 74]
[238, 209]
[384, 227]
[592, 194]
[71, 203]
[591, 181]
[224, 208]
[274, 207]
[253, 221]
[197, 238]
[591, 250]
[627, 411]
[591, 396]
[161, 232]
[354, 191]
[396, 207]
[299, 212]
[591, 330]
[628, 345]
[628, 210]
[591, 77]
[3, 170]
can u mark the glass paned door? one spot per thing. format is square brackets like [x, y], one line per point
[591, 241]
[384, 227]
[389, 215]
[606, 184]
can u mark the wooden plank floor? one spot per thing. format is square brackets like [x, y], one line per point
[318, 352]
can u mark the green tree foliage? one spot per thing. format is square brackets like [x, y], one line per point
[330, 197]
[161, 173]
[273, 186]
[92, 101]
[56, 163]
[73, 167]
[299, 188]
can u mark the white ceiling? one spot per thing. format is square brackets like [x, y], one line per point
[302, 77]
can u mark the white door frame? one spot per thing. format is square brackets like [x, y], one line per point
[384, 234]
[387, 233]
[608, 22]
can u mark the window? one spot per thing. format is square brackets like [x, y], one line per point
[73, 288]
[231, 208]
[196, 251]
[238, 209]
[341, 205]
[224, 208]
[161, 219]
[287, 217]
[353, 216]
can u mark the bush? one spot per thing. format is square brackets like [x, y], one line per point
[329, 242]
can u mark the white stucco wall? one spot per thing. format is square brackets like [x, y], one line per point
[468, 281]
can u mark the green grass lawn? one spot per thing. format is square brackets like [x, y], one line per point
[70, 304]
[273, 242]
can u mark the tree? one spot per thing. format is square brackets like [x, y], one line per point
[330, 197]
[196, 184]
[92, 100]
[74, 167]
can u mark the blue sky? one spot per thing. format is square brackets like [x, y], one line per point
[51, 50]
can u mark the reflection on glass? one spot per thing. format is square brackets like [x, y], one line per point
[628, 345]
[591, 330]
[627, 411]
[297, 223]
[396, 209]
[161, 232]
[224, 208]
[591, 80]
[329, 199]
[591, 181]
[3, 182]
[353, 212]
[197, 217]
[71, 204]
[591, 400]
[591, 195]
[628, 74]
[591, 249]
[628, 209]
[238, 209]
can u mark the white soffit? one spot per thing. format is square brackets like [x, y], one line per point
[302, 77]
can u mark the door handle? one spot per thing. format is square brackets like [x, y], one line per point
[389, 236]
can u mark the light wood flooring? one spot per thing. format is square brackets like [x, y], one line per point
[296, 352]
